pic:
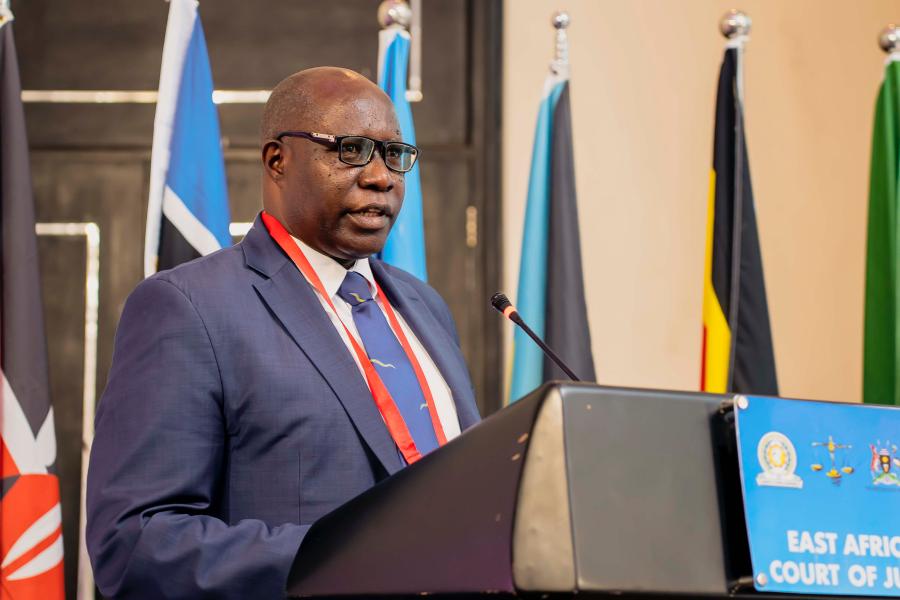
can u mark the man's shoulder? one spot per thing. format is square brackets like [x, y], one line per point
[396, 272]
[208, 274]
[428, 292]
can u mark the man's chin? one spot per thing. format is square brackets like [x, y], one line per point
[360, 249]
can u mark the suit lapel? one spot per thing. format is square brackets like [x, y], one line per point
[295, 304]
[437, 342]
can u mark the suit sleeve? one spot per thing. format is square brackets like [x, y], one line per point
[158, 464]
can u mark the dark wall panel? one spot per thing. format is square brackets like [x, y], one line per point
[252, 45]
[90, 162]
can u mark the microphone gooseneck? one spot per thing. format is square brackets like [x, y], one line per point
[506, 308]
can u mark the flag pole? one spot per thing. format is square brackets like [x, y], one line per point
[392, 14]
[735, 26]
[6, 14]
[414, 89]
[561, 23]
[889, 41]
[399, 14]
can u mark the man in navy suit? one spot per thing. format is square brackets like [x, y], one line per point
[241, 404]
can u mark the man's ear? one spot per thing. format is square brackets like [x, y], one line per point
[273, 159]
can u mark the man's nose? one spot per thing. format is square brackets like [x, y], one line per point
[376, 175]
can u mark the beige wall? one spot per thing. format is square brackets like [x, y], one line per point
[643, 88]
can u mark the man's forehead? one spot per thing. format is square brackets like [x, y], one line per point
[337, 83]
[359, 113]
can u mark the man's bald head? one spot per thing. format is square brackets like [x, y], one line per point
[301, 100]
[341, 209]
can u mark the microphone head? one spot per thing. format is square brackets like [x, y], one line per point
[500, 301]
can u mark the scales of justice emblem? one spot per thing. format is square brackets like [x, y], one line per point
[778, 459]
[838, 467]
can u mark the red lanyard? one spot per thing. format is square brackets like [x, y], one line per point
[383, 400]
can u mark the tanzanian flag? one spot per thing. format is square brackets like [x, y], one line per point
[880, 357]
[405, 246]
[737, 338]
[551, 287]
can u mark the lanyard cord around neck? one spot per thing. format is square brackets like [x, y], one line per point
[382, 397]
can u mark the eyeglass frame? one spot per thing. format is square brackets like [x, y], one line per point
[334, 142]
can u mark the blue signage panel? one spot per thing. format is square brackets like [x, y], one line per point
[821, 484]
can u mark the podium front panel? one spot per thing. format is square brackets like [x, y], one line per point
[642, 488]
[574, 489]
[441, 525]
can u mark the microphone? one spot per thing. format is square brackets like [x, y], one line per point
[502, 304]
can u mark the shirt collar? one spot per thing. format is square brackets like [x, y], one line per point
[331, 273]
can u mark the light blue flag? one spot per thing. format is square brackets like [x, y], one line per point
[405, 247]
[188, 210]
[528, 360]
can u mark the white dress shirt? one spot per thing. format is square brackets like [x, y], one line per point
[332, 274]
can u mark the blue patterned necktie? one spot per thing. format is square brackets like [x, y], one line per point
[390, 360]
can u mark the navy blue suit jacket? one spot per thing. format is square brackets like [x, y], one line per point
[234, 417]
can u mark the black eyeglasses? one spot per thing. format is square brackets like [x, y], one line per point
[357, 150]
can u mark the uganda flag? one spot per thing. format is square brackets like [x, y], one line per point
[737, 339]
[880, 357]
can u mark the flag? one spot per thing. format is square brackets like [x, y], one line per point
[737, 339]
[187, 215]
[30, 517]
[551, 287]
[405, 246]
[880, 356]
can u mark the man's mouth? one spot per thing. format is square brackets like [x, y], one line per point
[371, 216]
